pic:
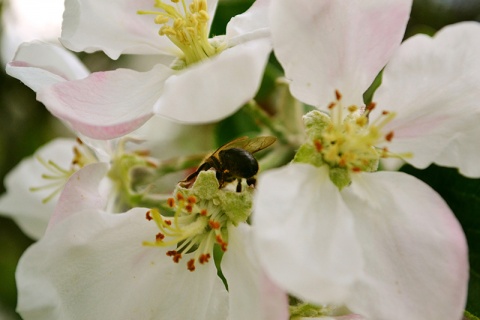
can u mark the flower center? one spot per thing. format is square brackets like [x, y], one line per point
[345, 140]
[186, 27]
[200, 220]
[57, 176]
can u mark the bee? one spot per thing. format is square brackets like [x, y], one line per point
[234, 161]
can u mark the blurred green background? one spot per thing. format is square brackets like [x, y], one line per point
[25, 125]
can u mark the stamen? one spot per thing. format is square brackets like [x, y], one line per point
[338, 95]
[82, 156]
[193, 230]
[148, 215]
[186, 28]
[389, 136]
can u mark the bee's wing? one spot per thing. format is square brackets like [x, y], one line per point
[251, 145]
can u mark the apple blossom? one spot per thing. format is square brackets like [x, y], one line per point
[210, 79]
[93, 264]
[27, 192]
[330, 228]
[39, 64]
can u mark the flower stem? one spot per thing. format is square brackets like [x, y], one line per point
[256, 112]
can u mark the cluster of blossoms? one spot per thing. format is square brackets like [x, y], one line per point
[324, 234]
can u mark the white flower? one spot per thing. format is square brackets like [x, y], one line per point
[31, 209]
[39, 64]
[91, 264]
[199, 88]
[331, 229]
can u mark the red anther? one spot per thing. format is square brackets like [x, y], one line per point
[318, 145]
[191, 265]
[171, 253]
[214, 224]
[389, 136]
[177, 257]
[203, 212]
[179, 196]
[356, 169]
[192, 200]
[331, 105]
[223, 244]
[171, 202]
[338, 95]
[148, 215]
[204, 258]
[79, 141]
[189, 208]
[370, 106]
[385, 112]
[159, 237]
[167, 222]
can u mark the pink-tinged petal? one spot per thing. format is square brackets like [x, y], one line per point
[416, 262]
[252, 20]
[274, 300]
[93, 265]
[246, 281]
[81, 193]
[113, 27]
[304, 234]
[107, 104]
[432, 85]
[39, 65]
[214, 89]
[22, 204]
[331, 45]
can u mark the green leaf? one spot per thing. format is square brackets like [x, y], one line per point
[469, 316]
[463, 196]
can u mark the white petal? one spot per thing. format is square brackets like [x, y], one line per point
[93, 266]
[113, 27]
[304, 234]
[38, 65]
[216, 88]
[26, 20]
[116, 27]
[245, 280]
[26, 206]
[329, 45]
[432, 84]
[81, 193]
[252, 20]
[414, 248]
[107, 104]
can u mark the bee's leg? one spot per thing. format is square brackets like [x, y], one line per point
[189, 180]
[252, 181]
[239, 185]
[219, 176]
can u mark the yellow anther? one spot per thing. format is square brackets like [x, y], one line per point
[187, 28]
[352, 109]
[161, 19]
